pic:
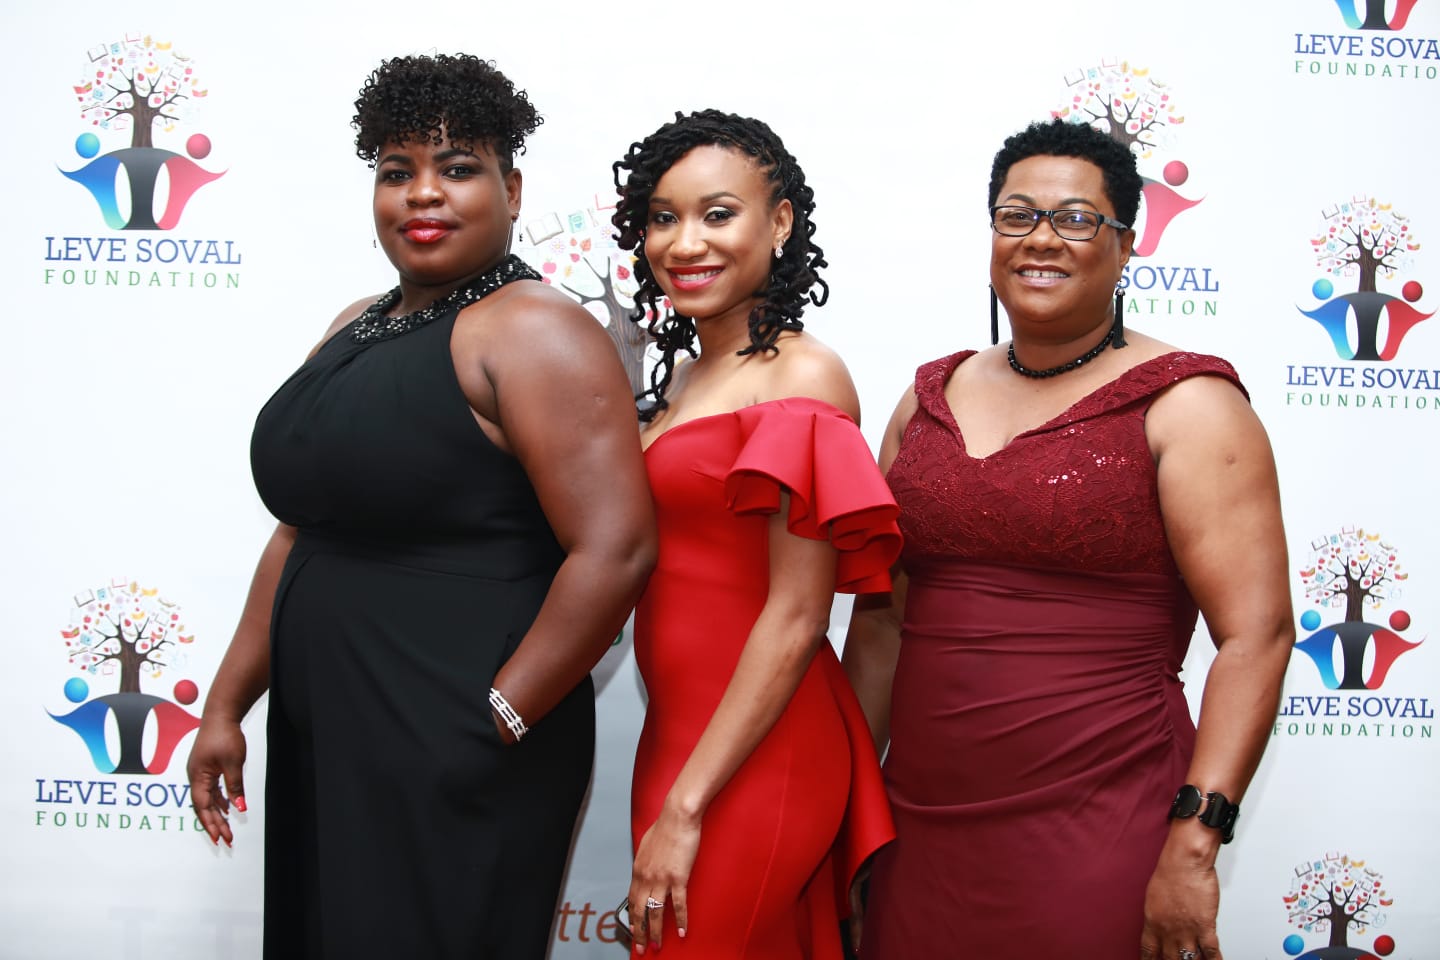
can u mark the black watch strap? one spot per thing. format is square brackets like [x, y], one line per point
[1213, 809]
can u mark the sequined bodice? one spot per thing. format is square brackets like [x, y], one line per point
[1076, 493]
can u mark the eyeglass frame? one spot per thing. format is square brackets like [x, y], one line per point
[1050, 216]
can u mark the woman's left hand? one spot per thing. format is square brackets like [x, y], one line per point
[661, 874]
[1181, 904]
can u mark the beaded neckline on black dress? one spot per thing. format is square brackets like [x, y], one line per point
[373, 325]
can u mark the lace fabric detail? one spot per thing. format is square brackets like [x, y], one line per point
[1076, 493]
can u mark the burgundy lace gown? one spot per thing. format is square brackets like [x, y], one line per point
[1038, 726]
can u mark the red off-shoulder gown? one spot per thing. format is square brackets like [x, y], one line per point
[783, 838]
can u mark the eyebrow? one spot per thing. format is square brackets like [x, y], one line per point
[440, 157]
[708, 198]
[1062, 205]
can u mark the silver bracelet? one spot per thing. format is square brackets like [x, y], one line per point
[507, 714]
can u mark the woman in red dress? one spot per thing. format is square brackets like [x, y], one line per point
[756, 791]
[1067, 506]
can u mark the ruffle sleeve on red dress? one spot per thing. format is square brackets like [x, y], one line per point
[815, 453]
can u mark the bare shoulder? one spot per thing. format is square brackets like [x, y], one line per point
[531, 308]
[806, 367]
[1205, 408]
[530, 320]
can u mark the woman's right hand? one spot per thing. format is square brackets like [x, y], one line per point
[663, 861]
[219, 752]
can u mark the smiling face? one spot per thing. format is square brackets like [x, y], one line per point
[1052, 287]
[443, 212]
[712, 231]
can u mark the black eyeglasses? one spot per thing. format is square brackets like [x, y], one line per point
[1068, 224]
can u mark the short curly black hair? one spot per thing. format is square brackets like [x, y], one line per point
[1060, 138]
[794, 276]
[440, 97]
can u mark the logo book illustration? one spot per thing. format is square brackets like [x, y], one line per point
[1366, 241]
[1125, 101]
[1354, 572]
[1337, 897]
[121, 635]
[139, 90]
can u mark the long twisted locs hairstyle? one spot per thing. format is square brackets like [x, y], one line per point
[794, 276]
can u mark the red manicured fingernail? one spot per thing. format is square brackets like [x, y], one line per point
[240, 804]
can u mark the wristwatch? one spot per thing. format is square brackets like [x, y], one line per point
[1219, 813]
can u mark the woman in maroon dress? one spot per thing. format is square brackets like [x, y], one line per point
[1067, 506]
[756, 790]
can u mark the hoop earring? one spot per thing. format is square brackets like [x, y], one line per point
[1117, 331]
[994, 316]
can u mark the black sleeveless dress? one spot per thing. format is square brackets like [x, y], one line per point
[397, 823]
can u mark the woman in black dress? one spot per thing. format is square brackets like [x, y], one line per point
[464, 526]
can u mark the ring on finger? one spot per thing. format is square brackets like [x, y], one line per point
[1188, 955]
[652, 904]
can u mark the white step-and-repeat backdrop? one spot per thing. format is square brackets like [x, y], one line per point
[164, 272]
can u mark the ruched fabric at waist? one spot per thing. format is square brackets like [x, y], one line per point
[501, 559]
[1015, 679]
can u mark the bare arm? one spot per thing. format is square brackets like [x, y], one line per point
[778, 651]
[872, 645]
[1220, 499]
[244, 674]
[564, 405]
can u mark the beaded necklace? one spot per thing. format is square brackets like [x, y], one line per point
[1089, 355]
[373, 325]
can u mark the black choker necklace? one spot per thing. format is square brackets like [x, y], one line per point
[1089, 355]
[374, 325]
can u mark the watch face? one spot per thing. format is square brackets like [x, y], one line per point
[1187, 802]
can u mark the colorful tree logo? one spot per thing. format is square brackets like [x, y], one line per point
[1124, 101]
[140, 85]
[1366, 240]
[1374, 17]
[127, 632]
[1338, 896]
[1353, 571]
[579, 255]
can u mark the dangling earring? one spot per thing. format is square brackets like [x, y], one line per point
[779, 249]
[1117, 332]
[510, 234]
[994, 316]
